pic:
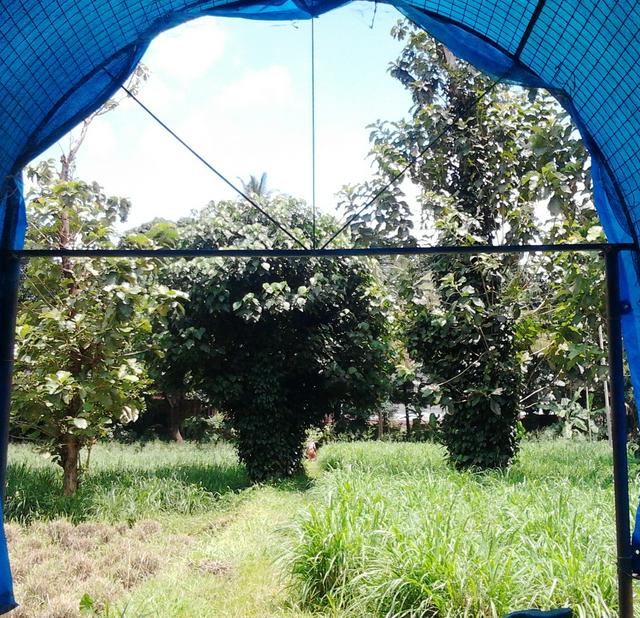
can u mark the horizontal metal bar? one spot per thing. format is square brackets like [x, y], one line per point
[307, 253]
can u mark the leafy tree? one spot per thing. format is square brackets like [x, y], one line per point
[386, 222]
[172, 399]
[500, 154]
[277, 344]
[467, 345]
[82, 324]
[565, 313]
[405, 383]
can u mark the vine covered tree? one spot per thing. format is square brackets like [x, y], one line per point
[276, 344]
[501, 155]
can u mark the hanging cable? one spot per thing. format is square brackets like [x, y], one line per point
[313, 132]
[209, 166]
[413, 160]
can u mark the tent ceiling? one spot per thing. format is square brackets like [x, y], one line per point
[62, 58]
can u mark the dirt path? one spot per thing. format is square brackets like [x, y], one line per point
[232, 568]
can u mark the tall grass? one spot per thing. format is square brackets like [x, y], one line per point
[124, 483]
[396, 532]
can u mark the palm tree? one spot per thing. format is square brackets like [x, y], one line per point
[256, 187]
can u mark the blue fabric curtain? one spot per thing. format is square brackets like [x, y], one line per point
[61, 59]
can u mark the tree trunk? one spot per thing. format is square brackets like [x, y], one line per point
[70, 458]
[174, 430]
[69, 444]
[64, 236]
[380, 425]
[175, 418]
[407, 420]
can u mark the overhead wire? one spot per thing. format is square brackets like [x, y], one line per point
[313, 132]
[394, 178]
[219, 174]
[412, 161]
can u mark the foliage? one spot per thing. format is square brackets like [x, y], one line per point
[565, 318]
[407, 385]
[126, 483]
[81, 324]
[173, 401]
[387, 219]
[256, 187]
[472, 192]
[488, 161]
[563, 310]
[276, 344]
[467, 346]
[574, 419]
[393, 531]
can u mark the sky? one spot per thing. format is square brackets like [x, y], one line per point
[239, 92]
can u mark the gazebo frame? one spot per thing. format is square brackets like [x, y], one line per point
[10, 265]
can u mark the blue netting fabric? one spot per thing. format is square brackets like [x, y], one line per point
[61, 59]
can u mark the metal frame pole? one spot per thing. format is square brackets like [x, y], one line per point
[9, 280]
[9, 276]
[619, 435]
[313, 253]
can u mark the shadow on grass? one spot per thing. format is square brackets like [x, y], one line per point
[130, 493]
[124, 494]
[298, 483]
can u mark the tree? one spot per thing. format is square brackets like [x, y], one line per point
[565, 314]
[277, 344]
[498, 153]
[467, 345]
[255, 186]
[405, 383]
[82, 324]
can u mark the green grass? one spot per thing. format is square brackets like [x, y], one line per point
[396, 532]
[236, 570]
[155, 530]
[382, 529]
[124, 483]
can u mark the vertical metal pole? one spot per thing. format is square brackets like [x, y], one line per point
[9, 277]
[619, 436]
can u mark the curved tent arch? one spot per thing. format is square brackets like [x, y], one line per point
[61, 59]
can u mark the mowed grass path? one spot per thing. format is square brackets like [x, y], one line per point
[381, 530]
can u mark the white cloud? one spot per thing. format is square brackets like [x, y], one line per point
[188, 51]
[101, 143]
[267, 87]
[245, 112]
[157, 94]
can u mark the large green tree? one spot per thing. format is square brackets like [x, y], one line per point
[82, 325]
[277, 344]
[486, 159]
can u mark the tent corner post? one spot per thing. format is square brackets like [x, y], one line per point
[619, 434]
[9, 281]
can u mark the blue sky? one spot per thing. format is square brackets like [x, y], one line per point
[239, 92]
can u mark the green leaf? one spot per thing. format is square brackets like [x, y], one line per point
[594, 233]
[87, 604]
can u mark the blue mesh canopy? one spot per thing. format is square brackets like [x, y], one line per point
[61, 59]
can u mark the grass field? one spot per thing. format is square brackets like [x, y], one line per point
[376, 529]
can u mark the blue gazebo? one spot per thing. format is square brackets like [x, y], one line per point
[62, 59]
